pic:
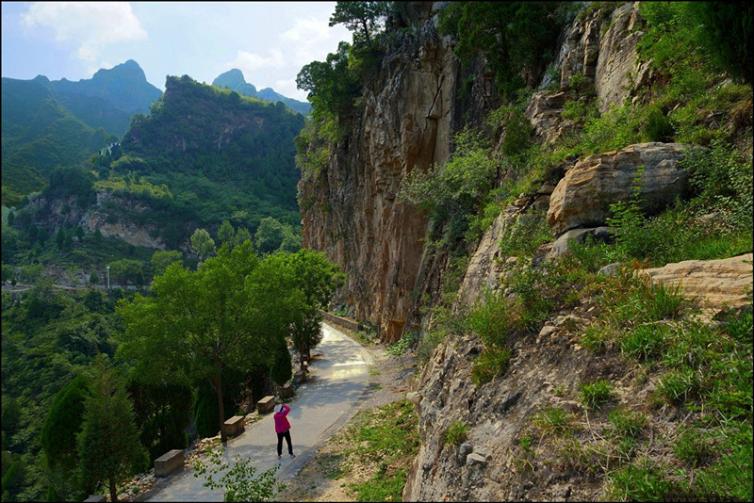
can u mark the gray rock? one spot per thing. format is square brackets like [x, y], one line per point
[610, 269]
[476, 458]
[547, 330]
[562, 245]
[413, 397]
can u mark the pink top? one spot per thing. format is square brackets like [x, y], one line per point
[281, 423]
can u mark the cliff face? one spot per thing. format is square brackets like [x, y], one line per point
[405, 124]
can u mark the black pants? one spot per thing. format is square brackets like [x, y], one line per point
[287, 436]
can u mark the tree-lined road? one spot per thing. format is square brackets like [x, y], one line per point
[340, 380]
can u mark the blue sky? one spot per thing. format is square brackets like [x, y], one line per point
[268, 41]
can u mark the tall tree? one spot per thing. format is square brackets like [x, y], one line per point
[227, 314]
[362, 18]
[225, 233]
[108, 443]
[161, 259]
[202, 243]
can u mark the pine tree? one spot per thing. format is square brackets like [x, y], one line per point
[108, 443]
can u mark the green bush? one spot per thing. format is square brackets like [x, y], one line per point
[456, 433]
[640, 481]
[645, 342]
[694, 447]
[677, 386]
[553, 420]
[597, 393]
[627, 423]
[658, 126]
[491, 363]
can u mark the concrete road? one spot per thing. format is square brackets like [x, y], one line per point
[340, 380]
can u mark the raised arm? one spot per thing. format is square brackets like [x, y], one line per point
[285, 410]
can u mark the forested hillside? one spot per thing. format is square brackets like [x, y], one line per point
[49, 124]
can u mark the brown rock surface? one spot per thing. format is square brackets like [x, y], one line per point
[715, 284]
[350, 209]
[583, 197]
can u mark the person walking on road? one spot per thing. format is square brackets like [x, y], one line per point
[283, 428]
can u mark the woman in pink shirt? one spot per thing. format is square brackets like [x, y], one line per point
[283, 428]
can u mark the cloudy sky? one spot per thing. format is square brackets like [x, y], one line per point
[268, 41]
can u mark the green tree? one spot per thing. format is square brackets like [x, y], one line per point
[202, 243]
[58, 438]
[362, 18]
[11, 415]
[238, 479]
[60, 238]
[282, 369]
[11, 218]
[316, 278]
[108, 444]
[726, 33]
[331, 84]
[242, 235]
[79, 233]
[125, 271]
[225, 233]
[269, 235]
[93, 278]
[291, 240]
[161, 259]
[226, 314]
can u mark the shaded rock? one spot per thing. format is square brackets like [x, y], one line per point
[715, 284]
[584, 195]
[561, 245]
[463, 451]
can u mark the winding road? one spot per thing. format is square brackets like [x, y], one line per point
[340, 380]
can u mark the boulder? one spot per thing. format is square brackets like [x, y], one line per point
[715, 284]
[234, 426]
[611, 269]
[583, 196]
[476, 458]
[562, 244]
[168, 463]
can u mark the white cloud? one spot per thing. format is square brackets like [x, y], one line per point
[90, 25]
[288, 88]
[310, 30]
[249, 62]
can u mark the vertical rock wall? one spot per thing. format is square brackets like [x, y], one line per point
[404, 124]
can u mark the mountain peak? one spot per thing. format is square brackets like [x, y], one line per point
[233, 79]
[129, 70]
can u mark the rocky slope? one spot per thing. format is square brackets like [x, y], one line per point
[410, 114]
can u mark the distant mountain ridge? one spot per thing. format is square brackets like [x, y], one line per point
[234, 80]
[48, 124]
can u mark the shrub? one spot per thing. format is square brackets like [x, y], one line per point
[677, 385]
[627, 423]
[645, 342]
[553, 420]
[640, 481]
[597, 393]
[657, 126]
[693, 447]
[456, 433]
[490, 364]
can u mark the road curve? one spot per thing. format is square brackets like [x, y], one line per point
[340, 380]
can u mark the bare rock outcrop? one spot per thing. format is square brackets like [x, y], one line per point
[583, 197]
[350, 209]
[715, 284]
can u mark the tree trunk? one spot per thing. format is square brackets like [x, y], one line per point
[113, 491]
[217, 383]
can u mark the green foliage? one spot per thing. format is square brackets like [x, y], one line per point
[404, 344]
[597, 393]
[553, 420]
[272, 236]
[332, 85]
[456, 433]
[640, 481]
[645, 342]
[161, 260]
[239, 478]
[282, 369]
[64, 183]
[225, 233]
[108, 444]
[163, 412]
[492, 362]
[363, 18]
[528, 232]
[627, 423]
[518, 39]
[693, 447]
[63, 422]
[202, 243]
